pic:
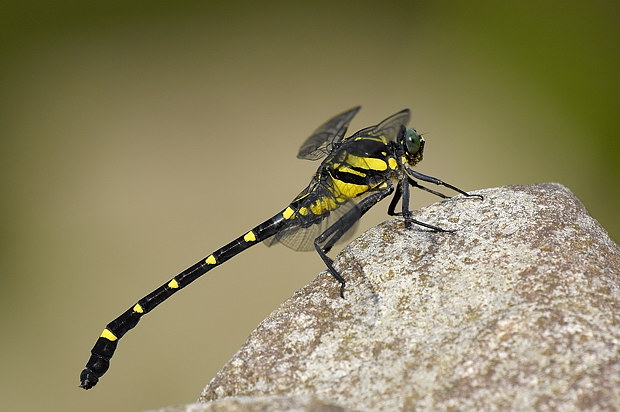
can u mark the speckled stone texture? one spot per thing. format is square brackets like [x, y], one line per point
[260, 404]
[517, 310]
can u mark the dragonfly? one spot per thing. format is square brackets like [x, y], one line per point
[357, 171]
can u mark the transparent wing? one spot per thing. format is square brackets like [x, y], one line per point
[389, 128]
[304, 229]
[321, 141]
[302, 238]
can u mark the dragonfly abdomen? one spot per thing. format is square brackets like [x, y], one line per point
[104, 348]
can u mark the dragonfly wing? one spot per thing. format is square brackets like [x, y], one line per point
[301, 238]
[296, 237]
[321, 141]
[389, 128]
[305, 226]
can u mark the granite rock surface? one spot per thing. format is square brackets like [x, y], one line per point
[519, 309]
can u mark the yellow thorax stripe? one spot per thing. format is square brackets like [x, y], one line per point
[367, 162]
[352, 171]
[393, 163]
[344, 191]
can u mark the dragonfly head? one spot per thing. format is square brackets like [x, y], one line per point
[413, 145]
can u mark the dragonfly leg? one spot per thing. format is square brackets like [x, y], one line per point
[419, 186]
[406, 213]
[394, 202]
[439, 182]
[340, 227]
[398, 194]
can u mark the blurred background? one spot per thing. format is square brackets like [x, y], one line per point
[138, 137]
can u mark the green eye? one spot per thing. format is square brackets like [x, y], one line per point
[412, 141]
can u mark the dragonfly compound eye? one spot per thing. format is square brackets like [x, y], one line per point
[414, 146]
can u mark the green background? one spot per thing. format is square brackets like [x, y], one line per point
[138, 138]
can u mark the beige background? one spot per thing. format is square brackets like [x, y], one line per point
[138, 139]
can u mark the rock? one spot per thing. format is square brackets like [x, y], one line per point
[517, 310]
[260, 404]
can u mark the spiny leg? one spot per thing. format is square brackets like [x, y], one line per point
[397, 195]
[404, 193]
[419, 186]
[439, 182]
[340, 227]
[406, 213]
[334, 239]
[362, 208]
[394, 202]
[409, 220]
